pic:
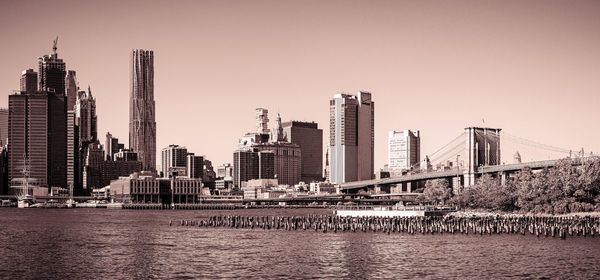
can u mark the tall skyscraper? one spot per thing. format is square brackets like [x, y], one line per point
[174, 160]
[28, 131]
[51, 78]
[404, 150]
[38, 124]
[29, 81]
[142, 125]
[310, 139]
[352, 137]
[72, 89]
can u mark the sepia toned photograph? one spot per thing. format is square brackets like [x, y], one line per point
[299, 139]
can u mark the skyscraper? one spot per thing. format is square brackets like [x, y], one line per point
[404, 150]
[142, 125]
[28, 136]
[29, 81]
[72, 89]
[310, 139]
[352, 135]
[85, 111]
[51, 78]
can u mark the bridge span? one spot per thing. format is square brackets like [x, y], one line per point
[457, 177]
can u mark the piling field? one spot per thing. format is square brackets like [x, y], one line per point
[559, 227]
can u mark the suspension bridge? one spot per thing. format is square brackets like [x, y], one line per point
[470, 155]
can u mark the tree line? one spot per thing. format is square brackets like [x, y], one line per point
[572, 185]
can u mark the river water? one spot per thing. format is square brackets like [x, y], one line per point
[140, 244]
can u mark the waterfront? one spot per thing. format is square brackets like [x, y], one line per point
[125, 244]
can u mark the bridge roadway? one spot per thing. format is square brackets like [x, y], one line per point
[534, 165]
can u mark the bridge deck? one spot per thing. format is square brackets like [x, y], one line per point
[450, 173]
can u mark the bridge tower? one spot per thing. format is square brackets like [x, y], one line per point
[482, 149]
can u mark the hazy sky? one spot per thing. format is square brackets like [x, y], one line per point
[529, 67]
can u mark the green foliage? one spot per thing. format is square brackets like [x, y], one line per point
[567, 187]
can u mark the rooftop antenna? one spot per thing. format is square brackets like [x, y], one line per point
[55, 43]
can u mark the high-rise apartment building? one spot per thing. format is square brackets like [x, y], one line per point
[142, 125]
[352, 137]
[174, 158]
[310, 139]
[404, 150]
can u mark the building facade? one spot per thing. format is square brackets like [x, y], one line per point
[309, 137]
[37, 131]
[73, 156]
[404, 150]
[174, 159]
[287, 160]
[352, 137]
[125, 155]
[99, 172]
[29, 81]
[149, 189]
[85, 111]
[252, 164]
[142, 124]
[112, 146]
[194, 166]
[51, 79]
[3, 126]
[72, 89]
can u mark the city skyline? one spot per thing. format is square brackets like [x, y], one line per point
[551, 65]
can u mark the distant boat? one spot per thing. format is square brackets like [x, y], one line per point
[24, 200]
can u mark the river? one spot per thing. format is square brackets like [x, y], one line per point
[140, 244]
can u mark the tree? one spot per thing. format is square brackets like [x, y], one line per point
[437, 191]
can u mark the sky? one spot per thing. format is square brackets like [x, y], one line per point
[531, 68]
